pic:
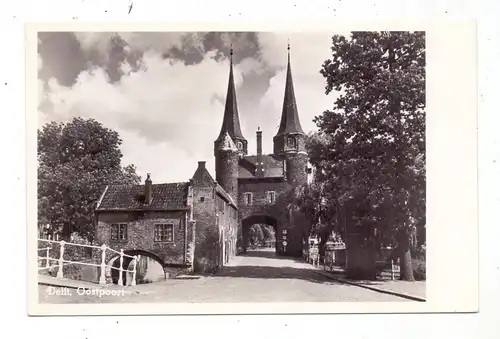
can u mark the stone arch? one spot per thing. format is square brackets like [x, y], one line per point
[113, 274]
[258, 219]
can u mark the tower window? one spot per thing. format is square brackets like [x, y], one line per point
[271, 197]
[248, 199]
[239, 144]
[291, 142]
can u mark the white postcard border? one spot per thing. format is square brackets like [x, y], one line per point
[452, 212]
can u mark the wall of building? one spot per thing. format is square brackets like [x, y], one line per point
[259, 189]
[216, 229]
[226, 169]
[281, 145]
[261, 207]
[206, 238]
[296, 168]
[140, 229]
[227, 218]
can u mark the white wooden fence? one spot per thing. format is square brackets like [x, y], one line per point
[60, 261]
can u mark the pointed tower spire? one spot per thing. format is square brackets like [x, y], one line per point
[290, 122]
[289, 142]
[231, 119]
[288, 49]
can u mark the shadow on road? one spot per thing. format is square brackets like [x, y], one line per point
[271, 272]
[269, 254]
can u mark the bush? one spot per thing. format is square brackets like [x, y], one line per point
[419, 269]
[418, 252]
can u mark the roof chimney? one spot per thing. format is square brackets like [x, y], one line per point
[259, 141]
[260, 168]
[201, 164]
[148, 190]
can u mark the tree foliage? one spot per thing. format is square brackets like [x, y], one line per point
[256, 234]
[268, 233]
[76, 160]
[260, 234]
[369, 151]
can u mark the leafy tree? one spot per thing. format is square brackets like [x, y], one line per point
[269, 233]
[311, 203]
[76, 161]
[369, 151]
[256, 234]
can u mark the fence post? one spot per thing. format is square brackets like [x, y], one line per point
[392, 269]
[134, 271]
[60, 274]
[120, 279]
[47, 257]
[102, 278]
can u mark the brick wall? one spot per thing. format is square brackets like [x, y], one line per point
[216, 227]
[294, 224]
[281, 145]
[206, 238]
[140, 229]
[258, 188]
[296, 168]
[226, 172]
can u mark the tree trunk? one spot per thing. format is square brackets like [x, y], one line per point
[66, 231]
[360, 258]
[405, 262]
[406, 267]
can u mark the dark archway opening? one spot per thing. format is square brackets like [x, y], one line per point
[260, 232]
[149, 268]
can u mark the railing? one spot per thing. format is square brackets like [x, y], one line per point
[103, 248]
[313, 256]
[394, 269]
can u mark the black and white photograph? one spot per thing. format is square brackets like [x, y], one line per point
[231, 167]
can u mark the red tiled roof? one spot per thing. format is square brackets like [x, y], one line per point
[273, 168]
[172, 196]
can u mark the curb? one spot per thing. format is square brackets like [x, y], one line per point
[375, 289]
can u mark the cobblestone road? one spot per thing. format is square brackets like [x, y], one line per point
[258, 276]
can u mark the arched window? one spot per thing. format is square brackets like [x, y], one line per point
[291, 142]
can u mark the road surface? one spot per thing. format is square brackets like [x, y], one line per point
[258, 276]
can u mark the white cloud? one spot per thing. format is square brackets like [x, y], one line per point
[167, 112]
[166, 162]
[40, 82]
[98, 41]
[159, 42]
[40, 62]
[307, 53]
[249, 65]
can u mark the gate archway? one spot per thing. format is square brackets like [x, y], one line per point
[260, 219]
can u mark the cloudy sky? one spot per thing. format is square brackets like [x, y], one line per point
[164, 93]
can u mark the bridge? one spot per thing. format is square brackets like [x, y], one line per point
[51, 258]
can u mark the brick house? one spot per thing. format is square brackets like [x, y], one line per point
[168, 221]
[199, 225]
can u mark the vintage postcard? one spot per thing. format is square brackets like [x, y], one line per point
[220, 169]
